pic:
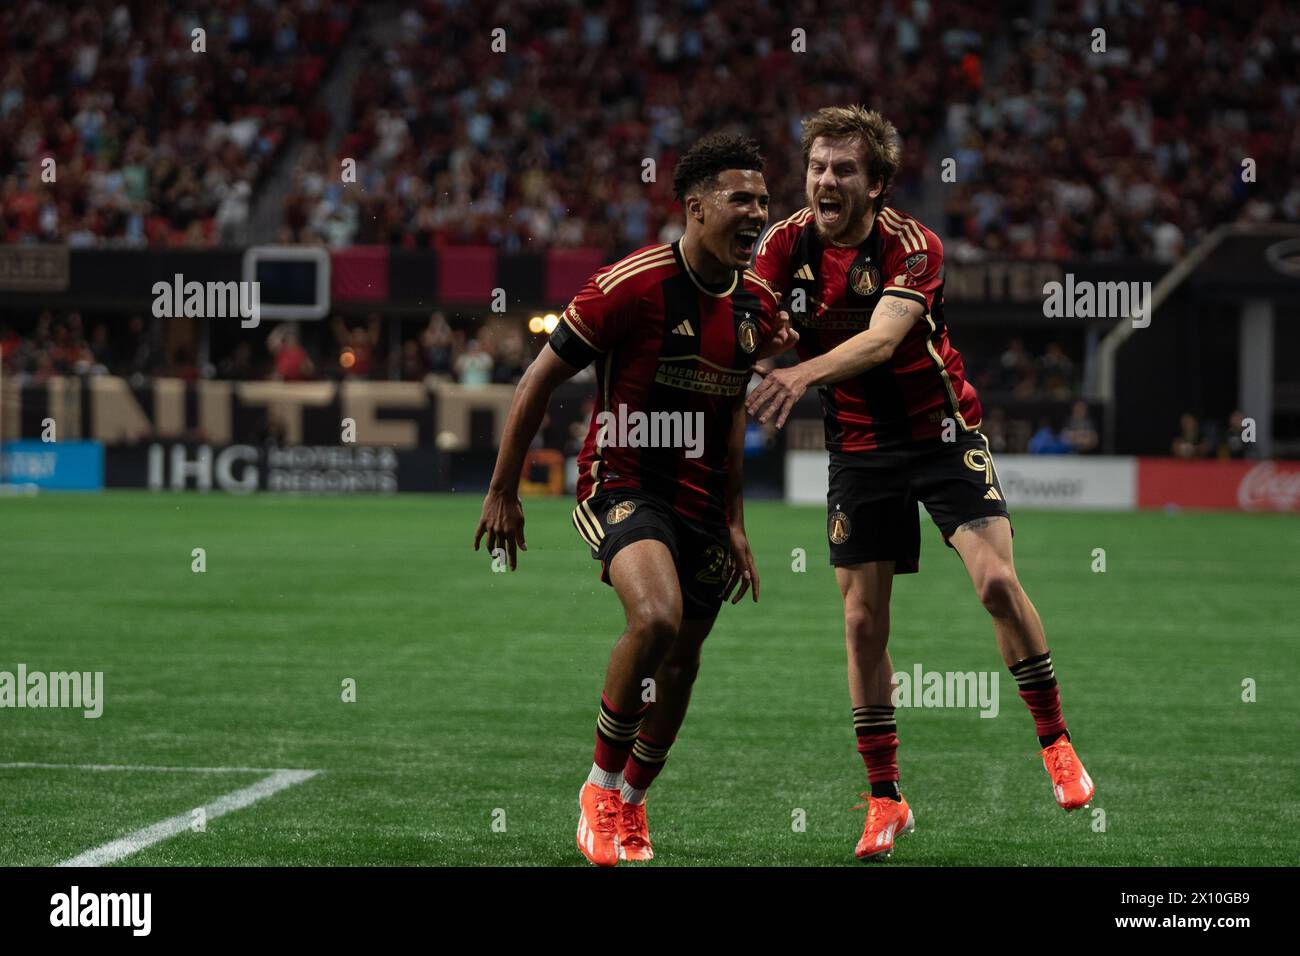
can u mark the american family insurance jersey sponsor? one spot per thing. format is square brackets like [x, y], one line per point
[663, 340]
[906, 399]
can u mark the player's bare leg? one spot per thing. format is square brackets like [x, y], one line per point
[673, 683]
[645, 579]
[985, 548]
[866, 589]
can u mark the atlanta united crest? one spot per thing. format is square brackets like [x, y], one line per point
[864, 279]
[620, 512]
[838, 528]
[748, 335]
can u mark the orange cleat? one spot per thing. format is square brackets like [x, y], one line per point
[634, 833]
[886, 819]
[598, 812]
[1071, 784]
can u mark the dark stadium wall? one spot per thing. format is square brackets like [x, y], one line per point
[1185, 361]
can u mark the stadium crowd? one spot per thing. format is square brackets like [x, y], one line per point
[153, 143]
[1136, 151]
[547, 145]
[1061, 151]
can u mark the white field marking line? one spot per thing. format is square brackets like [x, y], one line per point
[138, 840]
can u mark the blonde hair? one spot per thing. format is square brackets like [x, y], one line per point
[881, 147]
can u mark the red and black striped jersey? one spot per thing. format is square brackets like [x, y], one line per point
[906, 399]
[673, 356]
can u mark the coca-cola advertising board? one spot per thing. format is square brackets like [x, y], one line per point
[1235, 485]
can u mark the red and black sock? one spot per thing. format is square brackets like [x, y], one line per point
[878, 743]
[647, 759]
[615, 735]
[1036, 683]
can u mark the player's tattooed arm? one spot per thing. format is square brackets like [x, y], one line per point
[891, 320]
[502, 519]
[781, 390]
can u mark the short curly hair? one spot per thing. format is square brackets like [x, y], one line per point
[711, 155]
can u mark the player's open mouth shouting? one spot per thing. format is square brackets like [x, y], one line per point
[829, 210]
[745, 241]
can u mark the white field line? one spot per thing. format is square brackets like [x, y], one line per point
[138, 840]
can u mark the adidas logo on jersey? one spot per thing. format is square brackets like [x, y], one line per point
[684, 328]
[992, 495]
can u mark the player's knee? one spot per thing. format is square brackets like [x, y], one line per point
[865, 627]
[655, 624]
[999, 591]
[680, 669]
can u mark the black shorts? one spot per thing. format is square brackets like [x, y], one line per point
[611, 520]
[871, 499]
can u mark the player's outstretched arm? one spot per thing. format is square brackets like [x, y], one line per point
[502, 519]
[782, 388]
[743, 571]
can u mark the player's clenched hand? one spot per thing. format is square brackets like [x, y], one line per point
[503, 523]
[779, 391]
[743, 571]
[783, 338]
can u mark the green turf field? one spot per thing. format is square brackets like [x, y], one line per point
[477, 691]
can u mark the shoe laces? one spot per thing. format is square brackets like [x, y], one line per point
[633, 822]
[605, 814]
[868, 799]
[1062, 763]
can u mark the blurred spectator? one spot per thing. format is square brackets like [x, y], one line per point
[1233, 445]
[182, 365]
[357, 346]
[438, 345]
[1057, 371]
[411, 366]
[1045, 441]
[292, 364]
[510, 359]
[1189, 442]
[1015, 363]
[474, 367]
[1080, 433]
[238, 366]
[994, 428]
